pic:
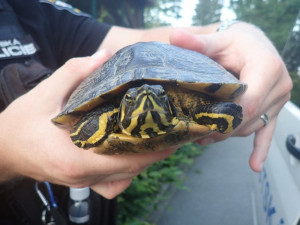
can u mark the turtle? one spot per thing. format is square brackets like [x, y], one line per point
[150, 96]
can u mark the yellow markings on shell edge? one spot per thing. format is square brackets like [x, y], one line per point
[217, 121]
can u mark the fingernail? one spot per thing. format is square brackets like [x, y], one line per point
[207, 141]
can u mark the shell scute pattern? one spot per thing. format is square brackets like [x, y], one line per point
[156, 61]
[149, 97]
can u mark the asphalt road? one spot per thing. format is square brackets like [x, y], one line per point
[220, 193]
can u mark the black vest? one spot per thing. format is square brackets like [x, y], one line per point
[20, 66]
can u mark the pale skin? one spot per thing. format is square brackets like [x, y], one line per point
[31, 146]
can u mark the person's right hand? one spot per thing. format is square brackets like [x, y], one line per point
[246, 51]
[31, 146]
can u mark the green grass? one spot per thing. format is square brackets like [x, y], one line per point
[147, 190]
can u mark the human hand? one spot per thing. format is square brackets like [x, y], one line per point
[247, 52]
[31, 146]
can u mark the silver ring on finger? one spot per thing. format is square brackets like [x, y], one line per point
[264, 117]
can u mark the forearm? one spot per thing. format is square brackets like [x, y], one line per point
[6, 170]
[119, 37]
[8, 158]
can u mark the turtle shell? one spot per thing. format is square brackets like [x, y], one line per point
[151, 63]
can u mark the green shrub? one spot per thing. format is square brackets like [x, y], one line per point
[148, 189]
[296, 89]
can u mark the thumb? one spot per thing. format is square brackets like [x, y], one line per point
[217, 46]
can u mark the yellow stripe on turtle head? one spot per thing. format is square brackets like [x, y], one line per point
[145, 112]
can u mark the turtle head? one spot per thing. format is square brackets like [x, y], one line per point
[146, 112]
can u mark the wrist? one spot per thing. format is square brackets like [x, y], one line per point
[6, 172]
[6, 155]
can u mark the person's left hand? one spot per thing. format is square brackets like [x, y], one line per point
[247, 52]
[32, 146]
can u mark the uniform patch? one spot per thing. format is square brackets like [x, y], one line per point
[61, 5]
[17, 47]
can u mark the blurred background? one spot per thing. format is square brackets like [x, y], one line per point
[275, 17]
[214, 185]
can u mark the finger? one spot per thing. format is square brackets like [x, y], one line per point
[212, 45]
[186, 40]
[113, 170]
[262, 142]
[247, 127]
[215, 137]
[125, 164]
[271, 104]
[111, 189]
[255, 123]
[260, 85]
[66, 78]
[87, 168]
[120, 182]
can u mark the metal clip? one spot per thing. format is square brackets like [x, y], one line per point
[50, 215]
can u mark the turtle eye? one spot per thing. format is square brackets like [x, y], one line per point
[128, 98]
[162, 94]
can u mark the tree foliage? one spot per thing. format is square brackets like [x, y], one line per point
[274, 17]
[291, 56]
[207, 11]
[131, 13]
[127, 13]
[291, 51]
[277, 18]
[162, 10]
[148, 189]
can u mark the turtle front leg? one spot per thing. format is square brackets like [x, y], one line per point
[95, 126]
[223, 117]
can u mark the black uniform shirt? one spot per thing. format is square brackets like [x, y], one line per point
[60, 32]
[43, 32]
